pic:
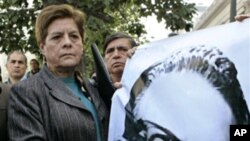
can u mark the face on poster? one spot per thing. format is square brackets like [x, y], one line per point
[188, 87]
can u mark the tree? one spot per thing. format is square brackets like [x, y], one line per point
[17, 20]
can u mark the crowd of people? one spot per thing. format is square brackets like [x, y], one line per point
[16, 66]
[56, 102]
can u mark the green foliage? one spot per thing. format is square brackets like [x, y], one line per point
[17, 20]
[176, 14]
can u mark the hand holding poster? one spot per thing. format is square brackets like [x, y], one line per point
[188, 87]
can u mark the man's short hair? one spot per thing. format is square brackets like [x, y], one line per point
[118, 35]
[19, 52]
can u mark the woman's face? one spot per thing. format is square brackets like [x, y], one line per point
[63, 45]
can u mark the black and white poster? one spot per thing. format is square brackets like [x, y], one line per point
[190, 87]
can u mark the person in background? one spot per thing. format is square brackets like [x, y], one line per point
[4, 94]
[16, 66]
[58, 104]
[34, 64]
[117, 48]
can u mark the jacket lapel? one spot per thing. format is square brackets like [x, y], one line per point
[61, 92]
[91, 92]
[94, 94]
[66, 96]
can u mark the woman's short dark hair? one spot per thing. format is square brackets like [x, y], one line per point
[54, 12]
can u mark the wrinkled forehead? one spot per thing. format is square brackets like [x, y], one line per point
[16, 56]
[62, 24]
[120, 42]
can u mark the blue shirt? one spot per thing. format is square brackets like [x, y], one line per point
[76, 90]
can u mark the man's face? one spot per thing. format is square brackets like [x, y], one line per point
[63, 45]
[16, 65]
[34, 65]
[116, 55]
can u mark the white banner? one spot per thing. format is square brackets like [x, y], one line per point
[187, 87]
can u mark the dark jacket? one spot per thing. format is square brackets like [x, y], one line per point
[4, 94]
[42, 108]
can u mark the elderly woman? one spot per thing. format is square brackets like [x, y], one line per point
[57, 104]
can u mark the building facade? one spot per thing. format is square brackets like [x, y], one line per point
[219, 13]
